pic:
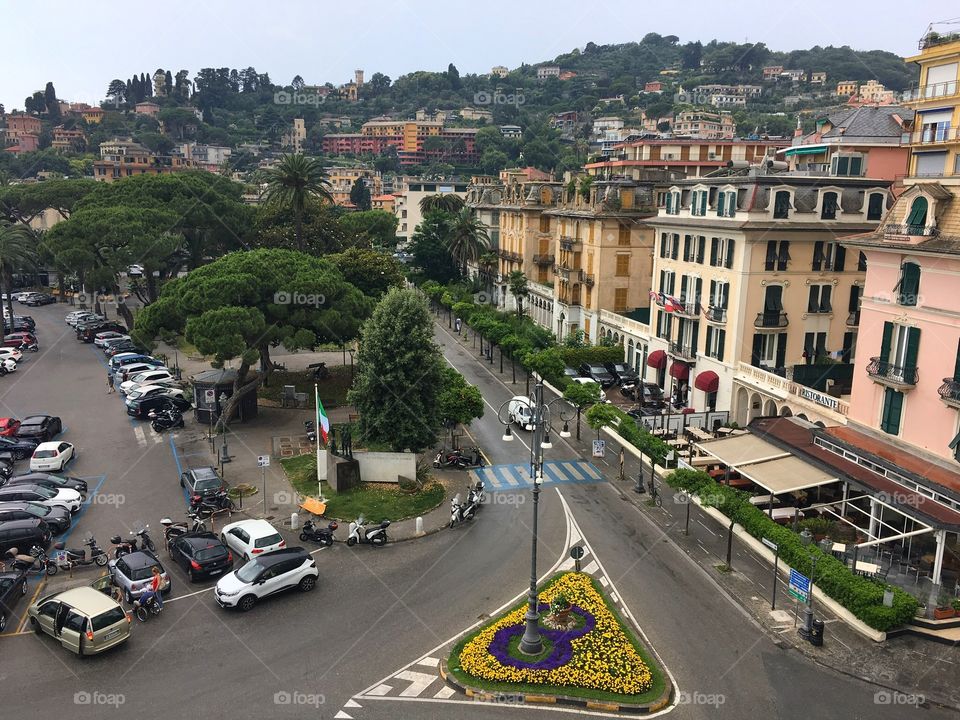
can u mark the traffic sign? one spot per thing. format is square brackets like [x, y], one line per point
[599, 448]
[576, 552]
[263, 460]
[209, 395]
[769, 543]
[799, 586]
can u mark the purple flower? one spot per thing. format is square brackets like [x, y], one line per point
[562, 649]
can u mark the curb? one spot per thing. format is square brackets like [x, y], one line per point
[525, 698]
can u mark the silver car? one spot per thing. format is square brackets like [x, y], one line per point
[133, 574]
[84, 620]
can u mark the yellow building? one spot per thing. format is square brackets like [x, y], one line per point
[935, 143]
[847, 87]
[342, 180]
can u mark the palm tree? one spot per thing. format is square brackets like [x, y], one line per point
[487, 263]
[441, 202]
[291, 183]
[17, 249]
[518, 288]
[467, 238]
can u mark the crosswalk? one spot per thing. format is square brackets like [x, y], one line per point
[512, 476]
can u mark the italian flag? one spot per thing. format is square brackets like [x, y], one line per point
[323, 422]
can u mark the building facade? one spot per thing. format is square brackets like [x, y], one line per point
[415, 141]
[122, 157]
[705, 125]
[342, 180]
[411, 191]
[686, 156]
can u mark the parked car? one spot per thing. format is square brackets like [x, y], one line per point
[84, 620]
[133, 573]
[586, 381]
[250, 538]
[140, 409]
[19, 324]
[22, 297]
[149, 391]
[64, 497]
[41, 428]
[201, 555]
[16, 339]
[202, 481]
[13, 586]
[7, 366]
[267, 575]
[121, 347]
[57, 518]
[597, 373]
[570, 373]
[142, 376]
[18, 448]
[127, 372]
[649, 394]
[52, 456]
[83, 316]
[86, 332]
[8, 427]
[48, 480]
[101, 337]
[623, 373]
[126, 358]
[9, 353]
[520, 411]
[24, 534]
[40, 299]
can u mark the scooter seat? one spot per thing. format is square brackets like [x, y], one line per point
[116, 540]
[58, 546]
[384, 523]
[76, 552]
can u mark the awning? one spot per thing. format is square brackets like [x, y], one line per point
[680, 371]
[804, 150]
[708, 381]
[657, 359]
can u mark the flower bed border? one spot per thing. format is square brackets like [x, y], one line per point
[495, 692]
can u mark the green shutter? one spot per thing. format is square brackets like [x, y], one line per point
[840, 258]
[729, 259]
[723, 336]
[913, 350]
[757, 351]
[918, 212]
[885, 341]
[781, 349]
[721, 198]
[714, 252]
[956, 364]
[709, 338]
[703, 202]
[909, 284]
[892, 409]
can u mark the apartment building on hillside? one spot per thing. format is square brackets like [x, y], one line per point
[122, 157]
[408, 195]
[342, 180]
[689, 157]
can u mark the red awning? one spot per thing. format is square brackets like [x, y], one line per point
[657, 359]
[680, 371]
[708, 381]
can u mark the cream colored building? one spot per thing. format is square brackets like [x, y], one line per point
[411, 191]
[342, 180]
[847, 87]
[294, 137]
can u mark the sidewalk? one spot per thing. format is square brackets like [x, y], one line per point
[907, 663]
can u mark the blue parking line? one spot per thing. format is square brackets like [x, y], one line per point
[176, 459]
[83, 508]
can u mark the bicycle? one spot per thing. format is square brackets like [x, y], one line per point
[655, 497]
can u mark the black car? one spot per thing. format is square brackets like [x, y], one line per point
[40, 428]
[47, 480]
[201, 555]
[87, 332]
[6, 468]
[141, 408]
[13, 586]
[24, 534]
[202, 481]
[19, 325]
[121, 347]
[57, 518]
[40, 299]
[650, 395]
[623, 373]
[597, 373]
[18, 447]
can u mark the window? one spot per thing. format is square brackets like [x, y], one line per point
[846, 165]
[661, 199]
[769, 350]
[814, 346]
[828, 208]
[908, 288]
[620, 299]
[673, 203]
[698, 203]
[623, 265]
[719, 294]
[862, 262]
[544, 224]
[781, 205]
[853, 305]
[693, 248]
[900, 348]
[716, 337]
[917, 219]
[701, 249]
[691, 288]
[726, 203]
[875, 206]
[664, 324]
[849, 347]
[623, 236]
[669, 245]
[667, 281]
[778, 255]
[819, 300]
[892, 410]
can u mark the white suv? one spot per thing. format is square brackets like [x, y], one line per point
[266, 575]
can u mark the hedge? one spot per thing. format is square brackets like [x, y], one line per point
[592, 354]
[861, 596]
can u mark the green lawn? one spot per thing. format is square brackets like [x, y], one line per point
[333, 390]
[375, 501]
[657, 689]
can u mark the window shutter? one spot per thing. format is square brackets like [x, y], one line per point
[918, 212]
[695, 337]
[854, 304]
[709, 339]
[909, 283]
[771, 258]
[663, 245]
[676, 246]
[813, 301]
[703, 202]
[757, 351]
[698, 292]
[913, 349]
[885, 341]
[892, 409]
[784, 256]
[673, 282]
[724, 294]
[956, 364]
[663, 281]
[720, 203]
[847, 346]
[818, 255]
[720, 339]
[701, 247]
[683, 288]
[839, 258]
[781, 349]
[821, 348]
[808, 340]
[730, 244]
[669, 203]
[732, 204]
[862, 262]
[825, 292]
[714, 251]
[713, 291]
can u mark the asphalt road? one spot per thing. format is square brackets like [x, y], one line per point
[375, 611]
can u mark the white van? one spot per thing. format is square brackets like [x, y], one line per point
[520, 411]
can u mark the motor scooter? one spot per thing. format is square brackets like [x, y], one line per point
[29, 347]
[322, 535]
[476, 494]
[69, 558]
[311, 430]
[122, 547]
[165, 419]
[172, 530]
[461, 512]
[360, 533]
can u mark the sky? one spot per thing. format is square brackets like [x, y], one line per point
[80, 47]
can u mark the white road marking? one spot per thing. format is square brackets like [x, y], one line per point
[379, 690]
[184, 597]
[705, 527]
[343, 716]
[352, 704]
[430, 662]
[445, 692]
[418, 682]
[591, 568]
[139, 435]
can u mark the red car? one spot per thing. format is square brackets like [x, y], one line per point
[18, 338]
[8, 427]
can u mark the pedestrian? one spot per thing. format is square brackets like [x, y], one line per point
[110, 386]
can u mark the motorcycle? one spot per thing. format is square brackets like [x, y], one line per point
[476, 494]
[130, 544]
[144, 609]
[209, 504]
[165, 419]
[172, 530]
[320, 371]
[36, 563]
[629, 390]
[359, 533]
[28, 347]
[460, 459]
[324, 536]
[461, 512]
[311, 430]
[69, 558]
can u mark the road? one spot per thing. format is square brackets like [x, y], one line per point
[376, 612]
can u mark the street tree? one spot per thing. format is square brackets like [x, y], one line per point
[399, 374]
[431, 255]
[360, 195]
[322, 231]
[517, 282]
[467, 238]
[372, 271]
[582, 396]
[459, 402]
[292, 182]
[604, 415]
[373, 228]
[441, 202]
[26, 201]
[17, 250]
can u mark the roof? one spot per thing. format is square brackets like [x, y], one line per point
[87, 600]
[216, 376]
[869, 121]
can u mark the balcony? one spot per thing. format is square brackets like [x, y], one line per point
[902, 230]
[853, 319]
[682, 351]
[949, 392]
[933, 91]
[931, 136]
[893, 376]
[715, 314]
[544, 259]
[689, 309]
[932, 39]
[586, 279]
[770, 320]
[563, 273]
[569, 243]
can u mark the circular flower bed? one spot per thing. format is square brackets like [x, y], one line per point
[597, 654]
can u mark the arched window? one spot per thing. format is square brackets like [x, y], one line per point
[875, 206]
[828, 209]
[781, 205]
[917, 219]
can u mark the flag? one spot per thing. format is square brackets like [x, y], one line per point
[672, 304]
[323, 422]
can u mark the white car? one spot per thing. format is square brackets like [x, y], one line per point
[147, 377]
[127, 372]
[85, 317]
[52, 456]
[265, 575]
[74, 314]
[145, 391]
[100, 338]
[7, 365]
[11, 354]
[22, 297]
[65, 498]
[588, 381]
[249, 538]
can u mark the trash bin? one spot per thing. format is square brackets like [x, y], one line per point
[816, 633]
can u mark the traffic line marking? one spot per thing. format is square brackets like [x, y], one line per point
[379, 690]
[343, 716]
[445, 692]
[351, 703]
[429, 662]
[418, 682]
[139, 435]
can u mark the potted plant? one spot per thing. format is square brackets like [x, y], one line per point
[944, 608]
[560, 608]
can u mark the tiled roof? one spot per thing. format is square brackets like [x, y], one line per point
[869, 121]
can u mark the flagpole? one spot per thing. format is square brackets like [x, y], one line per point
[317, 433]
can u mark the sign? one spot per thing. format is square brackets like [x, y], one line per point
[799, 586]
[769, 543]
[210, 395]
[819, 398]
[684, 465]
[599, 448]
[263, 460]
[576, 552]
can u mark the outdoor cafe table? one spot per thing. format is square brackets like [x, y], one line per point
[699, 434]
[867, 568]
[724, 430]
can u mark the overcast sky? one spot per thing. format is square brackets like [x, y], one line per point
[82, 46]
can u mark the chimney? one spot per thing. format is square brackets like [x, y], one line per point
[798, 132]
[358, 77]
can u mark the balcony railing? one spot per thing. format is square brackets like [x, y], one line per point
[586, 279]
[933, 39]
[853, 319]
[910, 230]
[931, 135]
[716, 314]
[563, 273]
[689, 308]
[568, 243]
[885, 371]
[543, 259]
[684, 352]
[949, 392]
[771, 320]
[931, 91]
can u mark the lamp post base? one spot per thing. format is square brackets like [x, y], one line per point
[531, 643]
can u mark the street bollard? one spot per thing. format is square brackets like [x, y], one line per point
[294, 521]
[419, 526]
